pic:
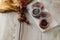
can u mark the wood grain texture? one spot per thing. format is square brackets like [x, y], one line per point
[9, 25]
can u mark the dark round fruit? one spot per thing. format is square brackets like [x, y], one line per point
[44, 23]
[36, 5]
[44, 14]
[36, 11]
[20, 19]
[24, 17]
[27, 21]
[39, 5]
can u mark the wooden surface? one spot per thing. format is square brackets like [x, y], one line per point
[9, 25]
